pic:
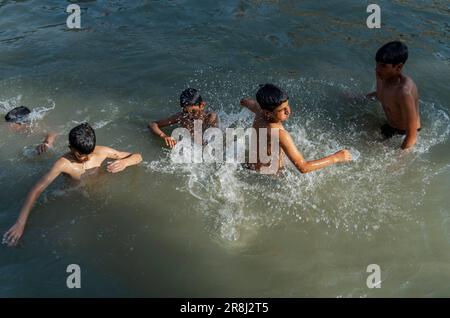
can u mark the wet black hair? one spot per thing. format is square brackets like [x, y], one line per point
[82, 138]
[189, 97]
[270, 97]
[18, 115]
[394, 52]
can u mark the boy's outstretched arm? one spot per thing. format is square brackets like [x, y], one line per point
[251, 104]
[123, 159]
[289, 148]
[47, 143]
[12, 236]
[408, 106]
[156, 126]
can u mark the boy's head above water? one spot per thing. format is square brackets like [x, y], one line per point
[390, 59]
[18, 115]
[82, 141]
[274, 102]
[191, 100]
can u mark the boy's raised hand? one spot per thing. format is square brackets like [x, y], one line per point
[47, 143]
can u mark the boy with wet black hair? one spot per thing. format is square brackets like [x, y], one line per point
[83, 158]
[193, 107]
[271, 109]
[18, 115]
[19, 118]
[397, 93]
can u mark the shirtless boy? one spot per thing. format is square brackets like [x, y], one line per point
[271, 109]
[193, 108]
[84, 156]
[397, 93]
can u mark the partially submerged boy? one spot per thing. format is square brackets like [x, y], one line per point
[193, 108]
[19, 120]
[271, 109]
[397, 93]
[84, 156]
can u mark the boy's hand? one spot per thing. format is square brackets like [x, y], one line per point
[12, 236]
[117, 166]
[170, 141]
[344, 155]
[43, 147]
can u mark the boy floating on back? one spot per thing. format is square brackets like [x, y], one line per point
[271, 109]
[397, 93]
[84, 157]
[193, 107]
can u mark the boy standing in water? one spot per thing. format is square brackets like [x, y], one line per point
[193, 107]
[397, 93]
[271, 109]
[18, 118]
[84, 157]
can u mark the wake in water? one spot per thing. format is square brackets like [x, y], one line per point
[382, 184]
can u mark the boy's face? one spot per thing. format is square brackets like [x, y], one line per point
[282, 112]
[78, 156]
[385, 71]
[18, 128]
[193, 109]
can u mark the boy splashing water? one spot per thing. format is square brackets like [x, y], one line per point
[193, 109]
[271, 109]
[19, 120]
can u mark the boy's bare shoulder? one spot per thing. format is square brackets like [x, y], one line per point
[281, 131]
[63, 160]
[407, 86]
[102, 150]
[64, 163]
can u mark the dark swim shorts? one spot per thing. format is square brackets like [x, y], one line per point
[388, 131]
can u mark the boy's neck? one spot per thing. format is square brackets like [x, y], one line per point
[394, 80]
[279, 122]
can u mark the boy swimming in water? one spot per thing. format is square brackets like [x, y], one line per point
[193, 107]
[271, 109]
[397, 93]
[19, 120]
[84, 156]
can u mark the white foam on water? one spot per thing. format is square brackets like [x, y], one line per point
[10, 103]
[111, 111]
[38, 113]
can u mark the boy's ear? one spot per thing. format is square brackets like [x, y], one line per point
[267, 113]
[399, 66]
